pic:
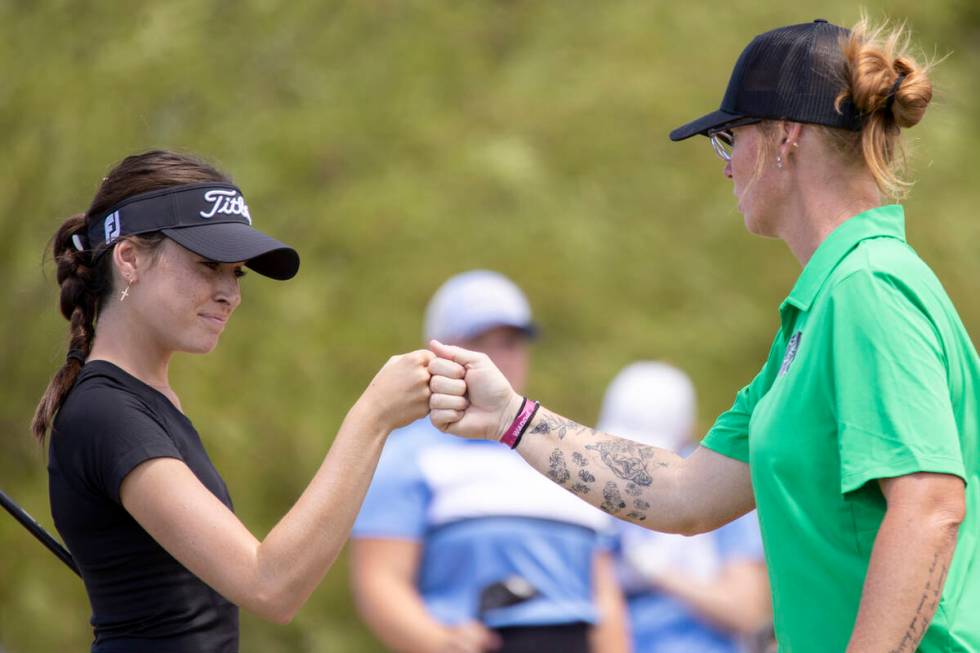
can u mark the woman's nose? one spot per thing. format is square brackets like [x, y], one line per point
[229, 291]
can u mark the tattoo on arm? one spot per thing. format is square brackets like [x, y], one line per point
[612, 500]
[581, 488]
[927, 606]
[555, 424]
[627, 459]
[557, 469]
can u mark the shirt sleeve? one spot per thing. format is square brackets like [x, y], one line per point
[729, 435]
[110, 436]
[890, 392]
[397, 502]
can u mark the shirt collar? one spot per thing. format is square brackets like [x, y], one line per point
[881, 222]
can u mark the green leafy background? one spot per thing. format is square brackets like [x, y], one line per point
[396, 143]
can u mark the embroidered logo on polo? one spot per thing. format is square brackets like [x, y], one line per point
[112, 227]
[227, 202]
[792, 347]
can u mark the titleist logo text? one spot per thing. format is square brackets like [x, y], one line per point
[228, 202]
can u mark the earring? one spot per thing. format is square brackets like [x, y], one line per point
[125, 293]
[779, 161]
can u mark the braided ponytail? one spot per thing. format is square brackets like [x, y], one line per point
[85, 277]
[81, 290]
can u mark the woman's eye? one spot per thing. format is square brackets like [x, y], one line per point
[239, 272]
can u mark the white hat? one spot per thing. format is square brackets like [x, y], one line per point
[653, 403]
[473, 302]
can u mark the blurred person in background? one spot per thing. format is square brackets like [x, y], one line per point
[152, 268]
[859, 439]
[703, 593]
[446, 520]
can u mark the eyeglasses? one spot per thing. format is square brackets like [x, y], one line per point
[723, 140]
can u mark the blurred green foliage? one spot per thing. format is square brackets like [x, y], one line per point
[396, 143]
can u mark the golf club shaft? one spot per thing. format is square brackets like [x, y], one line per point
[37, 531]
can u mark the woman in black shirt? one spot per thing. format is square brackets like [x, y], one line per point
[152, 268]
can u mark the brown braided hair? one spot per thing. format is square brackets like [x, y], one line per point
[85, 277]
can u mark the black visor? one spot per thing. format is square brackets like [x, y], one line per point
[211, 220]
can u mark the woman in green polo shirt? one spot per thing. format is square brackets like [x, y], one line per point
[858, 439]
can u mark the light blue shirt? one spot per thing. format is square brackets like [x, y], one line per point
[483, 515]
[661, 623]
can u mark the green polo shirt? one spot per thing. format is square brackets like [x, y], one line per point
[871, 375]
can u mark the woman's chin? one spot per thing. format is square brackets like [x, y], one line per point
[755, 226]
[203, 345]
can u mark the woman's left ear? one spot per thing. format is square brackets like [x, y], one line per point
[789, 144]
[124, 256]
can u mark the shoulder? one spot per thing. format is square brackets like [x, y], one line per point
[103, 411]
[105, 428]
[415, 437]
[399, 461]
[884, 278]
[879, 264]
[100, 399]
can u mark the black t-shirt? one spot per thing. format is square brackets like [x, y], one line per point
[142, 598]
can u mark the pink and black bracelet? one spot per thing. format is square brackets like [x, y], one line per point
[512, 436]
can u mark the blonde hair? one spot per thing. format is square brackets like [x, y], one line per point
[892, 90]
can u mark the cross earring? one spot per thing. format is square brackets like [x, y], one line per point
[125, 293]
[779, 161]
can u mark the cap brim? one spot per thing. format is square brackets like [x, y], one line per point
[703, 124]
[530, 329]
[229, 242]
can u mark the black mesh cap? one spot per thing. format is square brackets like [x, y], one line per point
[791, 73]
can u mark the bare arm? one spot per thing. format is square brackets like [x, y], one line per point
[909, 562]
[738, 600]
[383, 580]
[274, 577]
[649, 486]
[646, 485]
[611, 633]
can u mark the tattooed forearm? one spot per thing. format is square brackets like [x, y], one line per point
[928, 603]
[613, 474]
[612, 500]
[557, 469]
[627, 459]
[555, 424]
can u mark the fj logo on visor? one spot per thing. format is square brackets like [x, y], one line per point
[111, 227]
[228, 202]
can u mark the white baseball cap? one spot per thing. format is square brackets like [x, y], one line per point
[650, 402]
[473, 302]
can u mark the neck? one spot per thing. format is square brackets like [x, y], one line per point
[816, 213]
[123, 343]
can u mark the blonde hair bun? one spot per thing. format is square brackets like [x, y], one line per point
[878, 58]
